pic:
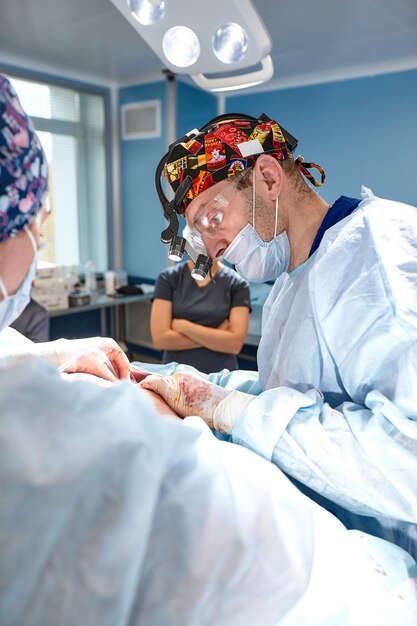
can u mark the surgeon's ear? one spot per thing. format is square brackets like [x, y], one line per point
[269, 175]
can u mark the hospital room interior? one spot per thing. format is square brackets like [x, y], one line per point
[345, 77]
[111, 86]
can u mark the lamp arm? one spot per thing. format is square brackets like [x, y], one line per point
[236, 82]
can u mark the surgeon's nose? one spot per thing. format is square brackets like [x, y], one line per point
[212, 248]
[216, 248]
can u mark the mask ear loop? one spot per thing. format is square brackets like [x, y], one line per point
[253, 197]
[276, 217]
[3, 290]
[32, 240]
[254, 204]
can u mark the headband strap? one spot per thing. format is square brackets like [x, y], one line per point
[304, 167]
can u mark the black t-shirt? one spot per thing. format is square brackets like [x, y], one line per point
[208, 305]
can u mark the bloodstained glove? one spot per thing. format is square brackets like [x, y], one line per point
[188, 394]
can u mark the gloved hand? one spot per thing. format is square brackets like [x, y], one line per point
[99, 356]
[89, 378]
[138, 373]
[160, 405]
[187, 395]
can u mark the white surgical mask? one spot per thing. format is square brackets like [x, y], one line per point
[12, 306]
[255, 259]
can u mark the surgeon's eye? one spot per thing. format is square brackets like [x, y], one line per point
[212, 221]
[210, 216]
[216, 218]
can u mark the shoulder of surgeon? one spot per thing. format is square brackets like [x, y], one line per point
[381, 223]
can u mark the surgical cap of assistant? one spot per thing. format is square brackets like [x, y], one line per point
[23, 166]
[227, 147]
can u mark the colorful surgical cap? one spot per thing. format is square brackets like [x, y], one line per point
[23, 167]
[226, 147]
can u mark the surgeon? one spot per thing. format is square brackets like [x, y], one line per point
[335, 403]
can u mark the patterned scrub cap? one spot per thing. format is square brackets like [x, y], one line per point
[229, 145]
[23, 166]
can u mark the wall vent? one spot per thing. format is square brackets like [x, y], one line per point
[141, 120]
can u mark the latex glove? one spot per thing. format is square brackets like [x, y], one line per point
[99, 356]
[189, 395]
[138, 373]
[160, 405]
[89, 378]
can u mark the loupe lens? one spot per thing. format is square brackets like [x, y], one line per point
[201, 268]
[176, 250]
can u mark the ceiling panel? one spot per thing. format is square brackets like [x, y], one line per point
[312, 42]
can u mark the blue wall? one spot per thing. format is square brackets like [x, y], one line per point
[362, 131]
[144, 255]
[194, 108]
[142, 220]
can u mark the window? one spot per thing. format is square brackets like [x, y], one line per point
[71, 127]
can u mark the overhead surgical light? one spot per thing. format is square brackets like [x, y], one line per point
[181, 46]
[230, 43]
[200, 38]
[147, 12]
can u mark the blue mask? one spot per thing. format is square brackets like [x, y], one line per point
[12, 306]
[255, 259]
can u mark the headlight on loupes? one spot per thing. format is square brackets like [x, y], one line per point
[178, 245]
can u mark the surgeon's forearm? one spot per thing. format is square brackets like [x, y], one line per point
[59, 351]
[46, 351]
[89, 378]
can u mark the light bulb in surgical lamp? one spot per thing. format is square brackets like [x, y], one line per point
[230, 43]
[181, 46]
[147, 12]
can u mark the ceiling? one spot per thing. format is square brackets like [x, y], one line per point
[313, 42]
